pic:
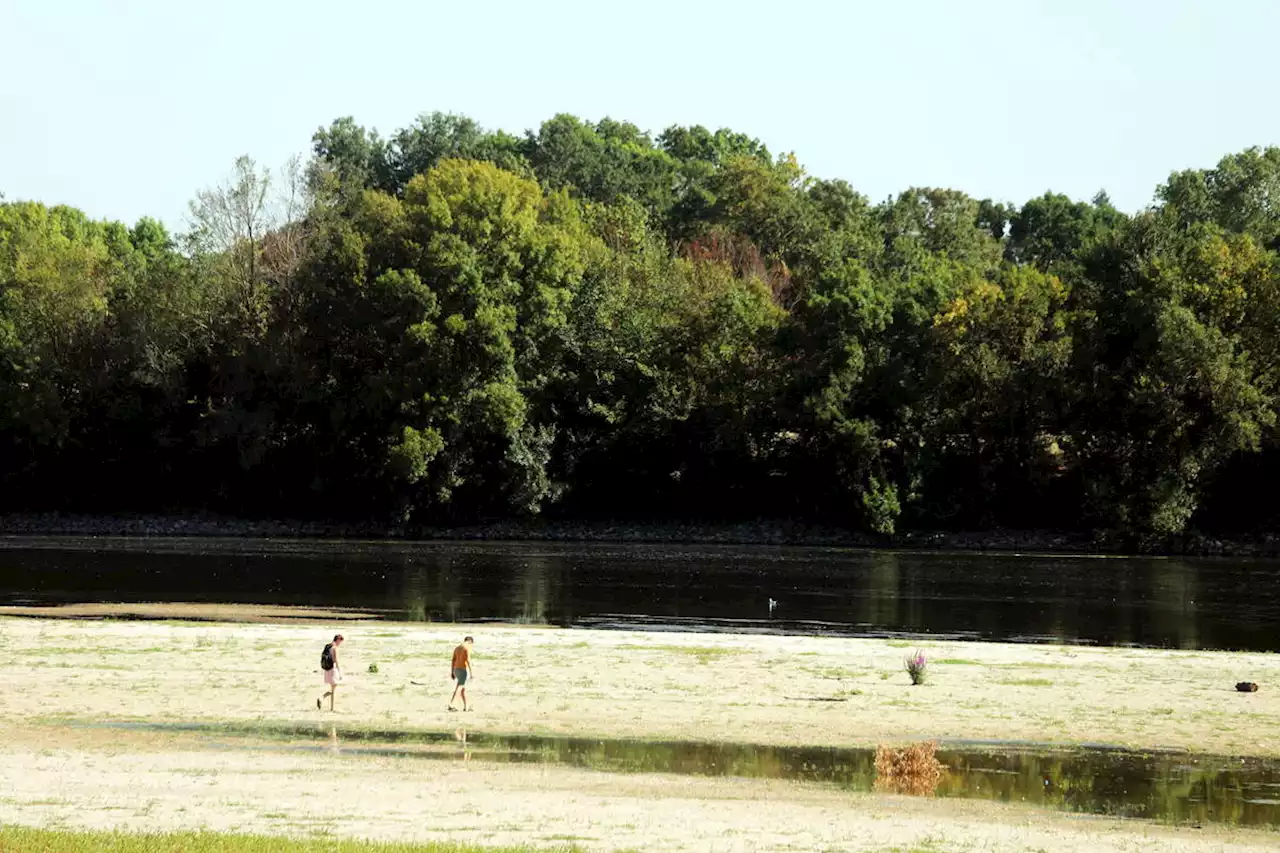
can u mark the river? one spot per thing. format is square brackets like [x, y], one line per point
[1159, 602]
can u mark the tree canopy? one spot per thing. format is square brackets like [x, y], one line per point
[451, 323]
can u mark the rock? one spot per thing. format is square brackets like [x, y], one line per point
[1247, 687]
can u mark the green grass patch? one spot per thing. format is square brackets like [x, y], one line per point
[130, 650]
[703, 654]
[14, 839]
[957, 662]
[570, 838]
[1028, 682]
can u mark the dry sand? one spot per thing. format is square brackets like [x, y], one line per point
[758, 689]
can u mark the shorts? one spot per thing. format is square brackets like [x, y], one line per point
[332, 676]
[461, 675]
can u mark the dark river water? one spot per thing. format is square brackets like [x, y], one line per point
[1176, 603]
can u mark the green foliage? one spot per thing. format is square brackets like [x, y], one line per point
[1239, 195]
[880, 501]
[451, 323]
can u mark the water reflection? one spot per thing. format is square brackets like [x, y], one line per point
[1165, 787]
[433, 591]
[880, 593]
[1175, 594]
[533, 590]
[460, 735]
[1158, 602]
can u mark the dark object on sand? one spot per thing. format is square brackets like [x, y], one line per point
[1247, 687]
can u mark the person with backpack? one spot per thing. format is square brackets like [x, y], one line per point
[332, 671]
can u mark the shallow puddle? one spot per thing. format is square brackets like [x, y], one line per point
[1169, 787]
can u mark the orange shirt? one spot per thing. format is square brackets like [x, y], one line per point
[461, 657]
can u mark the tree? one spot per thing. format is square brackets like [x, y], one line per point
[452, 323]
[602, 163]
[944, 223]
[995, 405]
[55, 277]
[1242, 195]
[1169, 389]
[347, 159]
[1055, 233]
[442, 312]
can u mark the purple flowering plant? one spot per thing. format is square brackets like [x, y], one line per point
[916, 665]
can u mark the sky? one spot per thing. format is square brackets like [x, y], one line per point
[127, 108]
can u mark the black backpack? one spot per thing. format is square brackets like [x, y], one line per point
[326, 657]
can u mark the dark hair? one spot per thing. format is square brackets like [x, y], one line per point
[468, 639]
[337, 638]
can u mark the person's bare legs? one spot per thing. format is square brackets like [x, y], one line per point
[463, 691]
[453, 698]
[332, 694]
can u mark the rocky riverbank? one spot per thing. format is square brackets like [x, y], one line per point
[764, 532]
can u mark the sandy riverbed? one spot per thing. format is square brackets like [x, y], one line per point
[82, 779]
[759, 689]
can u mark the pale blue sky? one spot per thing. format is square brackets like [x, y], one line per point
[126, 108]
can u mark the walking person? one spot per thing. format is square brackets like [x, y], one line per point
[460, 671]
[332, 671]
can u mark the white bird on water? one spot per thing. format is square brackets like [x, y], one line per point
[772, 604]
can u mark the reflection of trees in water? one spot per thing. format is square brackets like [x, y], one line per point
[1157, 788]
[849, 768]
[1173, 603]
[535, 587]
[432, 589]
[1122, 621]
[881, 603]
[1168, 788]
[1161, 789]
[704, 759]
[527, 589]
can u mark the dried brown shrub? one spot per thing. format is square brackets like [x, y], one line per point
[911, 770]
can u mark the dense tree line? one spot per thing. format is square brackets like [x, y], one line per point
[453, 324]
